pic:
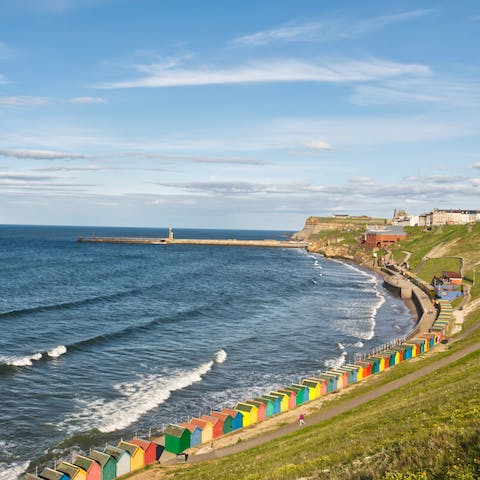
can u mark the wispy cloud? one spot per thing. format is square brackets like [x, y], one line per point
[318, 145]
[40, 154]
[23, 101]
[327, 31]
[269, 71]
[191, 158]
[458, 93]
[87, 100]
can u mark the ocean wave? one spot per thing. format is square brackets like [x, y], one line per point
[25, 361]
[57, 351]
[340, 346]
[135, 399]
[13, 470]
[336, 362]
[358, 344]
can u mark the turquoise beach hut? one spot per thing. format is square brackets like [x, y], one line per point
[107, 463]
[237, 418]
[298, 392]
[306, 391]
[122, 457]
[195, 433]
[269, 405]
[276, 403]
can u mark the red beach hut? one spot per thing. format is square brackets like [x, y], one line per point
[149, 449]
[262, 412]
[292, 397]
[94, 472]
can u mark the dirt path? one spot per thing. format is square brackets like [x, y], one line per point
[337, 410]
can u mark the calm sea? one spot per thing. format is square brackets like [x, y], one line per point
[101, 341]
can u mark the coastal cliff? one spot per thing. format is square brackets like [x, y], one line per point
[336, 238]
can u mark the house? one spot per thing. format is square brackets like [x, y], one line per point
[379, 237]
[177, 439]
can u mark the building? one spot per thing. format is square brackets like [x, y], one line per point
[435, 218]
[378, 237]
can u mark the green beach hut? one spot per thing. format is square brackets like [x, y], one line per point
[108, 464]
[177, 439]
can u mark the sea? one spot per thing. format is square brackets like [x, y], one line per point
[103, 341]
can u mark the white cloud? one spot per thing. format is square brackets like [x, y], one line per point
[318, 145]
[288, 70]
[39, 154]
[81, 100]
[476, 165]
[328, 30]
[23, 101]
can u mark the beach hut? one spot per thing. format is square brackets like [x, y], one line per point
[415, 348]
[337, 381]
[431, 339]
[313, 387]
[50, 474]
[195, 433]
[367, 368]
[108, 465]
[382, 362]
[216, 423]
[237, 417]
[347, 376]
[137, 457]
[269, 406]
[276, 402]
[31, 476]
[284, 400]
[94, 472]
[375, 363]
[177, 439]
[205, 427]
[250, 413]
[407, 353]
[73, 471]
[227, 420]
[261, 409]
[299, 394]
[292, 397]
[306, 391]
[149, 449]
[358, 368]
[330, 382]
[122, 458]
[422, 343]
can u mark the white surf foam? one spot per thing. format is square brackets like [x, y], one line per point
[341, 346]
[220, 356]
[358, 344]
[135, 399]
[13, 470]
[57, 351]
[26, 361]
[336, 362]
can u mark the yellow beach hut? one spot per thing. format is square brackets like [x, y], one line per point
[314, 387]
[205, 427]
[137, 455]
[250, 410]
[284, 400]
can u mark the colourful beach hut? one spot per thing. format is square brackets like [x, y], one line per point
[216, 423]
[284, 400]
[345, 376]
[122, 457]
[237, 417]
[422, 344]
[250, 413]
[306, 391]
[226, 419]
[298, 392]
[269, 406]
[50, 474]
[382, 362]
[415, 348]
[31, 476]
[149, 449]
[330, 382]
[73, 471]
[261, 410]
[292, 397]
[375, 362]
[276, 402]
[205, 427]
[358, 369]
[108, 465]
[195, 433]
[337, 381]
[177, 439]
[313, 387]
[137, 457]
[94, 472]
[367, 368]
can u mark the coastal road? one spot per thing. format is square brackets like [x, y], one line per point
[344, 407]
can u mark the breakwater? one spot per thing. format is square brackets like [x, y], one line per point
[196, 241]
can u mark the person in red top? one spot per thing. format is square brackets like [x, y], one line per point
[301, 419]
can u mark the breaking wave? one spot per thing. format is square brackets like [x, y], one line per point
[135, 399]
[336, 362]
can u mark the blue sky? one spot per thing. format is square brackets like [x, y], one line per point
[236, 114]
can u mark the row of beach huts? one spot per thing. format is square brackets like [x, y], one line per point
[128, 456]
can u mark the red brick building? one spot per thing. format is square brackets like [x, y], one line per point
[378, 237]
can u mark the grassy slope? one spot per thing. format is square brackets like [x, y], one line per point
[430, 429]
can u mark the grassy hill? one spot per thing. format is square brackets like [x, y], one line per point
[429, 429]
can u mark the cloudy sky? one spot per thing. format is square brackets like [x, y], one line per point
[236, 114]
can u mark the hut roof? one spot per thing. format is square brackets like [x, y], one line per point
[199, 423]
[230, 411]
[129, 447]
[189, 426]
[221, 416]
[100, 457]
[143, 444]
[175, 430]
[210, 419]
[68, 468]
[115, 452]
[31, 476]
[244, 407]
[450, 274]
[51, 474]
[83, 462]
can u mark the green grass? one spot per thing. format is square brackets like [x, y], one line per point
[434, 267]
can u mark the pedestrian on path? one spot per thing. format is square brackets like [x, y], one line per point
[301, 419]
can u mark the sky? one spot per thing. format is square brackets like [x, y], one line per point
[236, 114]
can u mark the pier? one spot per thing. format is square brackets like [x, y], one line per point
[196, 241]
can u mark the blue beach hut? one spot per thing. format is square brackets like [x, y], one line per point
[275, 401]
[50, 474]
[237, 418]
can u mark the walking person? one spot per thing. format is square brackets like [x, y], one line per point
[301, 419]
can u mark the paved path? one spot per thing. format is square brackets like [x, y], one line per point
[344, 407]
